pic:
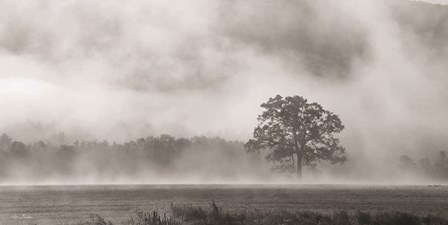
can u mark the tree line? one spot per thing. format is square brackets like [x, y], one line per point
[291, 132]
[294, 131]
[162, 155]
[435, 168]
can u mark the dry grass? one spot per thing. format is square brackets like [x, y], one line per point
[191, 215]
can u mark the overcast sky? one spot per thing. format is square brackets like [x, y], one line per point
[444, 2]
[121, 70]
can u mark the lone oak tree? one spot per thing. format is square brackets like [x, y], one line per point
[297, 132]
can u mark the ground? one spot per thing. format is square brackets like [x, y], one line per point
[70, 204]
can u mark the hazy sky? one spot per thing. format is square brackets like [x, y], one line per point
[444, 2]
[121, 70]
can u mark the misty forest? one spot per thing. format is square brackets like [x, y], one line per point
[152, 112]
[157, 159]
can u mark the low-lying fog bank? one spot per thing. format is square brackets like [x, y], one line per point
[120, 70]
[197, 160]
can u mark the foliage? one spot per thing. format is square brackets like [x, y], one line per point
[407, 163]
[153, 218]
[160, 155]
[435, 169]
[190, 215]
[294, 129]
[96, 220]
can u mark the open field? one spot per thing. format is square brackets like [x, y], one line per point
[71, 204]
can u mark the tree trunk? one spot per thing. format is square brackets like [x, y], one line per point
[299, 166]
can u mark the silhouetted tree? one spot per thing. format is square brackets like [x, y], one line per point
[441, 166]
[18, 149]
[5, 140]
[162, 154]
[297, 132]
[407, 163]
[425, 165]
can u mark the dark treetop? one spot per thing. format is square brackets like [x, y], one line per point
[297, 132]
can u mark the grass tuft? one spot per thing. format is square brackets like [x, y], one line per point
[214, 215]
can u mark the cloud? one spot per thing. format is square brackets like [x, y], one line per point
[120, 70]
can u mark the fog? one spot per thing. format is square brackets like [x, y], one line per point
[118, 71]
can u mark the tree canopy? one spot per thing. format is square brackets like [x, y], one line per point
[153, 157]
[297, 132]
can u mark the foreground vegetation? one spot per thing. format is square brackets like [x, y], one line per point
[191, 215]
